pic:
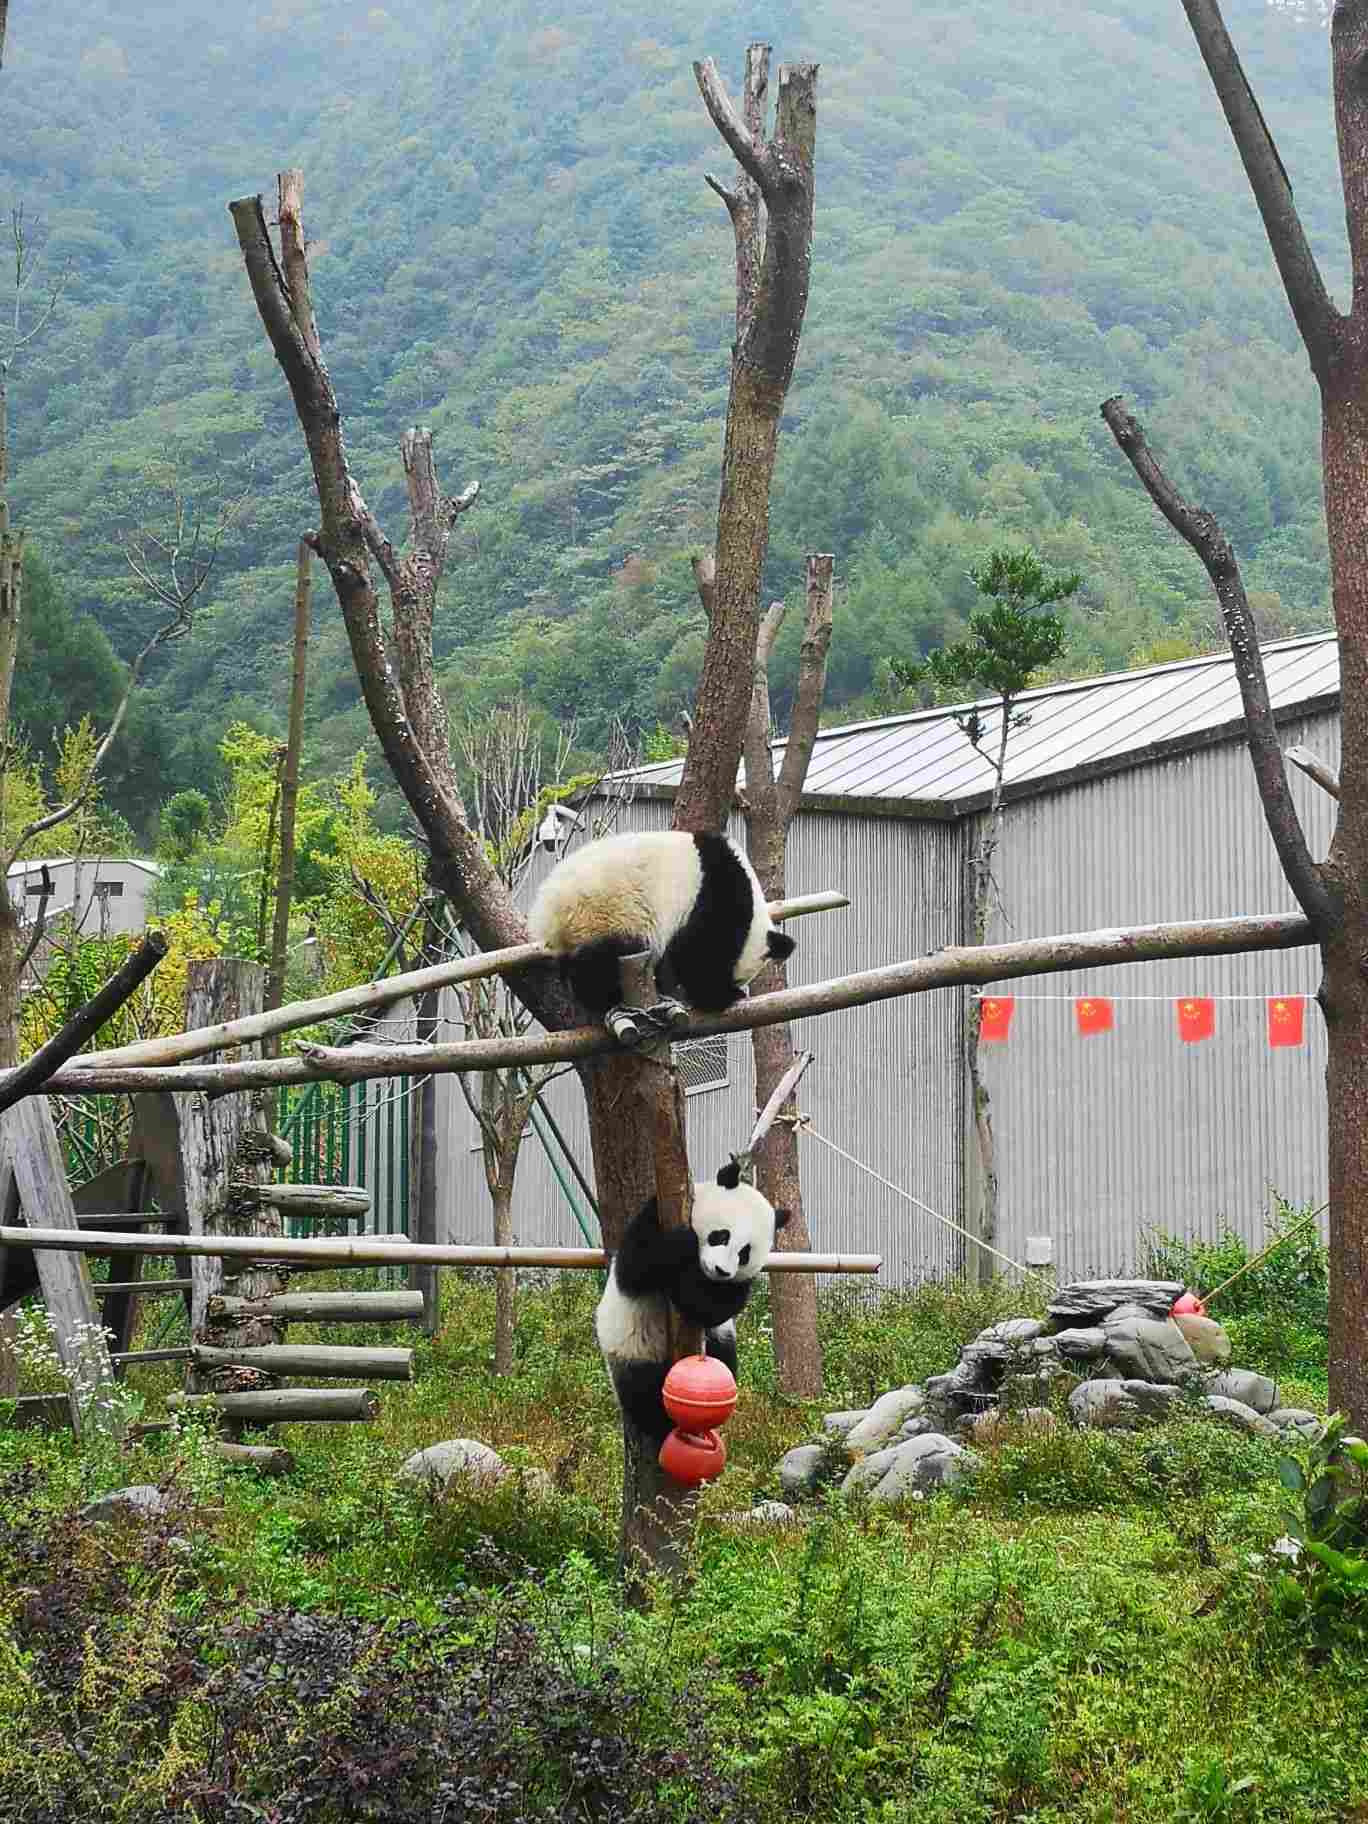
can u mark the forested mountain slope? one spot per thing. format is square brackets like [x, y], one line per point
[1021, 210]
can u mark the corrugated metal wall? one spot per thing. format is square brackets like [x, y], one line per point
[1100, 1139]
[884, 1085]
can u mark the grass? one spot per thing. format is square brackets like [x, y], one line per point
[1085, 1631]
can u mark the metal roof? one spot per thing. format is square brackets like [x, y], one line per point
[923, 765]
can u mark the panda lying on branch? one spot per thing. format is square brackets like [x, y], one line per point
[692, 901]
[705, 1271]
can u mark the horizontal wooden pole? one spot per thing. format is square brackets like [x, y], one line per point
[180, 1353]
[142, 1288]
[332, 1361]
[345, 1200]
[365, 1250]
[956, 966]
[266, 1459]
[281, 1405]
[177, 1047]
[324, 1307]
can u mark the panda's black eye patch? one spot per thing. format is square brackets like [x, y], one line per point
[744, 1255]
[719, 1238]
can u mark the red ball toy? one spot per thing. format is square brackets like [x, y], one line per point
[1188, 1305]
[699, 1392]
[693, 1457]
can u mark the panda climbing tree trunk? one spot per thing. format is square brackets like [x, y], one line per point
[770, 806]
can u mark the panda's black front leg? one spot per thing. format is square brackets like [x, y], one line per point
[640, 1388]
[651, 1258]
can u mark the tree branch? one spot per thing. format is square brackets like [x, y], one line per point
[1200, 529]
[1315, 314]
[1314, 768]
[812, 666]
[39, 923]
[954, 966]
[30, 1076]
[741, 134]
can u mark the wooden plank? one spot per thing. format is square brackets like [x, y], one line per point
[327, 1307]
[281, 1405]
[37, 1412]
[123, 1183]
[28, 1133]
[330, 1360]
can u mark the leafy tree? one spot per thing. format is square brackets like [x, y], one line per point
[1010, 643]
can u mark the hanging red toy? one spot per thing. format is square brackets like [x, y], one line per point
[699, 1393]
[1188, 1305]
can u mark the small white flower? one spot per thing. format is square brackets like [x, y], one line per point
[1287, 1547]
[1255, 1559]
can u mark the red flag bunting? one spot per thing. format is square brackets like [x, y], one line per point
[995, 1016]
[1196, 1018]
[1286, 1019]
[1093, 1015]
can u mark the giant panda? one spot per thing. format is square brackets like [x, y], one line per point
[692, 901]
[705, 1271]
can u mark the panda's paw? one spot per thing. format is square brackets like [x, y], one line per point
[626, 1025]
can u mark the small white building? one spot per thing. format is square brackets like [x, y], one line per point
[103, 895]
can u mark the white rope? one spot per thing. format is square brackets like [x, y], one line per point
[805, 1127]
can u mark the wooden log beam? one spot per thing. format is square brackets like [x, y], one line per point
[176, 1048]
[326, 1307]
[281, 1405]
[341, 1250]
[331, 1361]
[141, 1288]
[29, 1076]
[343, 1202]
[957, 965]
[265, 1459]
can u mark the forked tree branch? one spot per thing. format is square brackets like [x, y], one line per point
[1315, 768]
[955, 966]
[1315, 314]
[1200, 529]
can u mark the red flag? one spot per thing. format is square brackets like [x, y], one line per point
[1286, 1019]
[995, 1016]
[1196, 1018]
[1093, 1015]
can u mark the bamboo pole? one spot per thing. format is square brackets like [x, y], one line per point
[366, 1251]
[177, 1047]
[956, 965]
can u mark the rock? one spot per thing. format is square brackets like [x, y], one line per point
[1239, 1416]
[871, 1468]
[1002, 1427]
[1081, 1345]
[1205, 1337]
[883, 1419]
[1148, 1349]
[915, 1427]
[950, 1396]
[441, 1463]
[803, 1469]
[1088, 1301]
[837, 1424]
[539, 1483]
[1242, 1384]
[139, 1498]
[1296, 1422]
[930, 1462]
[1119, 1403]
[985, 1360]
[1015, 1332]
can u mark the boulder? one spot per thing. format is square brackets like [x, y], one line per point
[1297, 1422]
[803, 1469]
[1250, 1389]
[930, 1462]
[838, 1424]
[1120, 1403]
[139, 1498]
[883, 1419]
[1015, 1332]
[1239, 1416]
[1205, 1337]
[871, 1468]
[1088, 1301]
[915, 1427]
[1148, 1349]
[1081, 1345]
[441, 1463]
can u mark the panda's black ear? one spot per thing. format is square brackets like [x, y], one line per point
[781, 1219]
[779, 946]
[730, 1175]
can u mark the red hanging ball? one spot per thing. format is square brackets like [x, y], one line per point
[692, 1457]
[1188, 1305]
[699, 1392]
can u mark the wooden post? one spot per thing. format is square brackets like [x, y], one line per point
[36, 1173]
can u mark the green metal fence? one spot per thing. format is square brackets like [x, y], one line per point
[352, 1133]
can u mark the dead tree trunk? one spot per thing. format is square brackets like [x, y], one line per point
[770, 808]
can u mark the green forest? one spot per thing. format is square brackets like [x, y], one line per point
[1020, 211]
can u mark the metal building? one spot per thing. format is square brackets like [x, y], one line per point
[1130, 800]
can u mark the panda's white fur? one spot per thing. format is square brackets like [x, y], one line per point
[705, 1272]
[692, 900]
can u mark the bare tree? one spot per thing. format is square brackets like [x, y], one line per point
[394, 663]
[770, 807]
[1333, 892]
